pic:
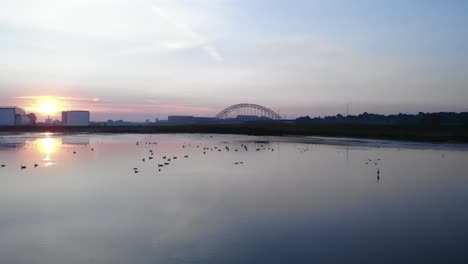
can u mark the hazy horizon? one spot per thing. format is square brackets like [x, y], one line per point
[138, 60]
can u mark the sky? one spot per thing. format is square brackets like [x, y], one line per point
[147, 59]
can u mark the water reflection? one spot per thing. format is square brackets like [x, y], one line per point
[12, 145]
[228, 199]
[76, 140]
[48, 146]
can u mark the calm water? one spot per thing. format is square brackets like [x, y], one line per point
[266, 200]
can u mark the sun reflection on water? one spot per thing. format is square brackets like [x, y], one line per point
[48, 147]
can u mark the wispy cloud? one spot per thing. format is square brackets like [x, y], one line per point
[83, 99]
[194, 38]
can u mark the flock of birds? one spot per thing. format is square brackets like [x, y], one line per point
[375, 162]
[35, 165]
[22, 167]
[169, 159]
[369, 161]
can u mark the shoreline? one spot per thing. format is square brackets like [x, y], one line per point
[436, 134]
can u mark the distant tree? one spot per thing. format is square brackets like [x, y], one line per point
[432, 119]
[435, 119]
[32, 118]
[303, 119]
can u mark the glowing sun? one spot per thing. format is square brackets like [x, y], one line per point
[47, 105]
[48, 109]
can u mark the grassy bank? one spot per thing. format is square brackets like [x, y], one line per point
[408, 133]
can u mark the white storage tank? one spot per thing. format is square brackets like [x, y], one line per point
[75, 118]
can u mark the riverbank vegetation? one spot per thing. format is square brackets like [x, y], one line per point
[394, 132]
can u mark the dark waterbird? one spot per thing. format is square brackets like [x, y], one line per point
[3, 166]
[23, 167]
[35, 165]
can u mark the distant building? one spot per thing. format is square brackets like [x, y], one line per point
[181, 119]
[206, 120]
[13, 116]
[246, 118]
[75, 118]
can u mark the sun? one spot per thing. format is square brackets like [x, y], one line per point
[48, 109]
[47, 105]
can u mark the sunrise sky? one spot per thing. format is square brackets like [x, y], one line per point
[142, 59]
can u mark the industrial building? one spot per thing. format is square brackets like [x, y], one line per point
[14, 116]
[181, 119]
[176, 120]
[75, 118]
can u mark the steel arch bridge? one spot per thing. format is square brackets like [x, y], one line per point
[248, 109]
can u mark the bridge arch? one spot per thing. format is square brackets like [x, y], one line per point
[249, 109]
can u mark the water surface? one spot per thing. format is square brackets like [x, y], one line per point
[92, 199]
